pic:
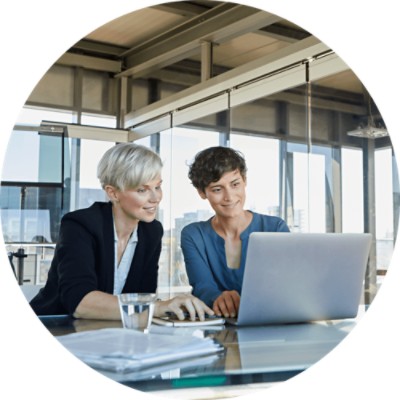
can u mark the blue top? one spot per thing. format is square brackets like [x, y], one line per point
[204, 254]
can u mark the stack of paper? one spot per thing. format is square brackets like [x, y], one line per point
[125, 350]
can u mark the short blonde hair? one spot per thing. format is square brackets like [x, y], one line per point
[127, 166]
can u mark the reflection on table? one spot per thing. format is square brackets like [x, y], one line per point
[251, 354]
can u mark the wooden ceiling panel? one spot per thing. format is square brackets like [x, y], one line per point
[133, 29]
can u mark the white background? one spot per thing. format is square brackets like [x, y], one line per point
[35, 33]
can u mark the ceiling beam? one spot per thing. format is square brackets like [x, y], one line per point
[287, 56]
[216, 26]
[284, 33]
[93, 47]
[93, 63]
[183, 8]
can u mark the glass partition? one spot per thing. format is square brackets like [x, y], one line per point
[352, 190]
[384, 208]
[181, 203]
[303, 164]
[309, 181]
[32, 195]
[263, 177]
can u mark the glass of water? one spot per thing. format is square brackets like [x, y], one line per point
[137, 310]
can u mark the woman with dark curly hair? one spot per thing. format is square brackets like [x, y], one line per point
[215, 250]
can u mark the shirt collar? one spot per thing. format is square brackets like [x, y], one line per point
[133, 238]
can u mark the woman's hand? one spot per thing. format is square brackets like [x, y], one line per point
[227, 304]
[179, 305]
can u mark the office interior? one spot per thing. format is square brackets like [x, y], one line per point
[182, 76]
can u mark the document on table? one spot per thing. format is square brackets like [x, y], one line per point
[125, 350]
[175, 322]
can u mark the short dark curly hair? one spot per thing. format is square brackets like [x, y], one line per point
[210, 164]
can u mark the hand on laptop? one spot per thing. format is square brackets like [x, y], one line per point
[181, 306]
[227, 304]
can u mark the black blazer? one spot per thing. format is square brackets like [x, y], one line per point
[84, 260]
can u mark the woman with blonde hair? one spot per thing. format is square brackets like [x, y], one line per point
[113, 247]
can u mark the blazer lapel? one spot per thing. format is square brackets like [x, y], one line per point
[108, 250]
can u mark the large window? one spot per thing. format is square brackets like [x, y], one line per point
[181, 203]
[384, 207]
[32, 192]
[352, 190]
[263, 177]
[309, 193]
[303, 164]
[88, 183]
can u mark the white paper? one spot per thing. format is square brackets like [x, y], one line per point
[124, 350]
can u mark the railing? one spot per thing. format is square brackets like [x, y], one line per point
[30, 261]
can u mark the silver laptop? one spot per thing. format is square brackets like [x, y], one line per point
[302, 277]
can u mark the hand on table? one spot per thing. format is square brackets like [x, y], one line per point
[181, 304]
[227, 304]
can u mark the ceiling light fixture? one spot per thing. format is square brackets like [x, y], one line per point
[371, 130]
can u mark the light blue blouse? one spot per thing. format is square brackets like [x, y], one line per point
[121, 271]
[205, 259]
